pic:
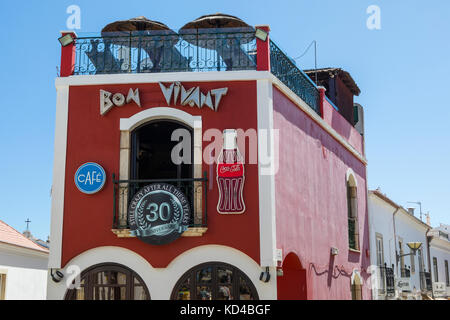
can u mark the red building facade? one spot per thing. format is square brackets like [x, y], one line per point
[304, 187]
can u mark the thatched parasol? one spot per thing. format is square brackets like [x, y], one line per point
[162, 38]
[226, 43]
[135, 24]
[217, 20]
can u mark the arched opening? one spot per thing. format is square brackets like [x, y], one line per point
[352, 212]
[356, 287]
[153, 154]
[214, 281]
[162, 150]
[109, 281]
[292, 284]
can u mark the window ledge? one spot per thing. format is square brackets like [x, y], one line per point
[123, 233]
[194, 232]
[190, 232]
[354, 250]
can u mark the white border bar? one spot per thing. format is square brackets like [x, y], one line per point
[266, 183]
[59, 173]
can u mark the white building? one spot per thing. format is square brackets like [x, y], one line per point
[400, 276]
[440, 256]
[23, 266]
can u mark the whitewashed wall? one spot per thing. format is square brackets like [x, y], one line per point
[26, 273]
[407, 228]
[440, 249]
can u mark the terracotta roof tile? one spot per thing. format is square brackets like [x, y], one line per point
[11, 236]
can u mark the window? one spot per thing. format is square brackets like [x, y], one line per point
[214, 281]
[356, 288]
[435, 270]
[151, 151]
[109, 282]
[164, 145]
[352, 207]
[380, 260]
[447, 280]
[2, 286]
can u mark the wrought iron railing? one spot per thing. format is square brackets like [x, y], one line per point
[195, 189]
[387, 279]
[294, 78]
[166, 51]
[405, 272]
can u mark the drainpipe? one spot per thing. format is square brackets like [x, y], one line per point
[429, 260]
[395, 238]
[395, 244]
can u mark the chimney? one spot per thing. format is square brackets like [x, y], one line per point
[411, 211]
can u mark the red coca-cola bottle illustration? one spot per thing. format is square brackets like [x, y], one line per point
[230, 175]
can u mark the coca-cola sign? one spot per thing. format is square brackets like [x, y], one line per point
[230, 176]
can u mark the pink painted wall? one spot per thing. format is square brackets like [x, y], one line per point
[311, 203]
[342, 126]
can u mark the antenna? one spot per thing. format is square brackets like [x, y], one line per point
[315, 56]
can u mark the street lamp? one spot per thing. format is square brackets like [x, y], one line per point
[66, 40]
[414, 246]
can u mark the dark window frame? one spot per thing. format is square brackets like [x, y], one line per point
[352, 216]
[435, 269]
[447, 277]
[134, 144]
[237, 276]
[89, 275]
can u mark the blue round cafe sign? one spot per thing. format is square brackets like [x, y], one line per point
[90, 178]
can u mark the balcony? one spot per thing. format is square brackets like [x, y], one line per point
[195, 190]
[387, 280]
[405, 272]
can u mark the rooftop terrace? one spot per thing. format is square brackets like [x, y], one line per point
[192, 50]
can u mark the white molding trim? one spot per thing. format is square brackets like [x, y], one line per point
[210, 76]
[211, 253]
[161, 281]
[351, 173]
[128, 124]
[22, 251]
[355, 274]
[266, 185]
[59, 173]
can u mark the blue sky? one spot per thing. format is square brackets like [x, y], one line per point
[402, 70]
